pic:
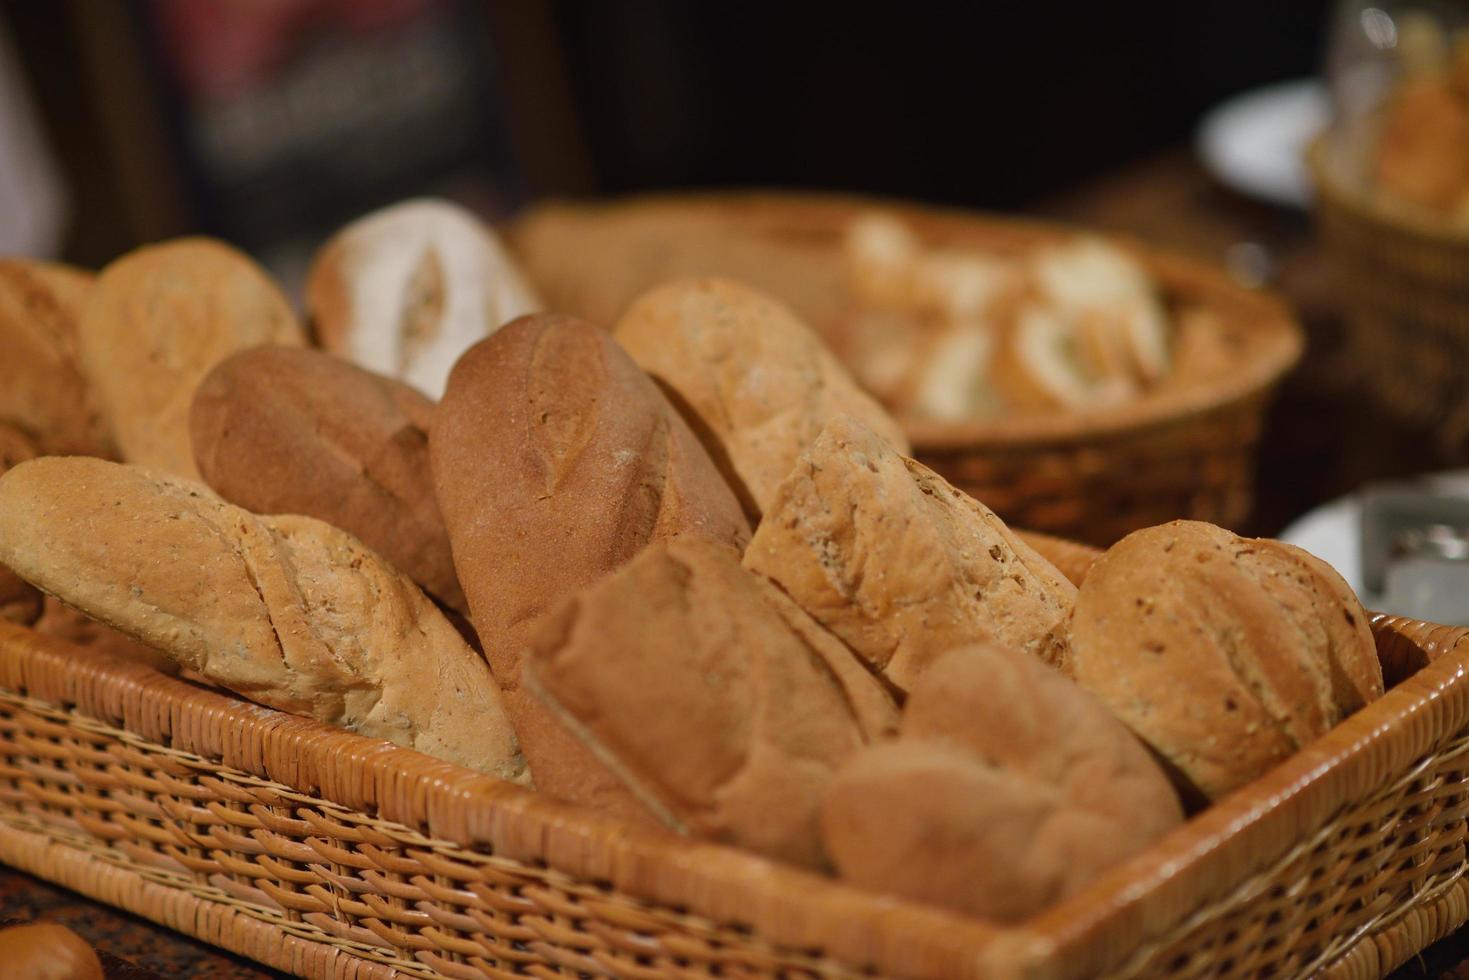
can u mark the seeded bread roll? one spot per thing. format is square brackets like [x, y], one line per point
[898, 563]
[404, 291]
[1225, 654]
[754, 381]
[721, 706]
[556, 461]
[281, 430]
[288, 611]
[158, 319]
[43, 393]
[1009, 789]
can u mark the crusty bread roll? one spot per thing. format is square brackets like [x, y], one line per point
[755, 382]
[158, 319]
[281, 430]
[721, 705]
[405, 290]
[47, 951]
[898, 563]
[1009, 789]
[19, 602]
[555, 461]
[1225, 654]
[288, 611]
[42, 390]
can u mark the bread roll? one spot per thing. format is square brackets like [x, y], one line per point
[1009, 789]
[159, 318]
[684, 675]
[76, 627]
[46, 951]
[288, 611]
[281, 430]
[42, 391]
[754, 381]
[898, 563]
[1225, 654]
[556, 461]
[405, 290]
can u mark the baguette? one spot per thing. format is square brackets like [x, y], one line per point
[722, 707]
[556, 461]
[753, 380]
[901, 565]
[288, 611]
[280, 430]
[158, 319]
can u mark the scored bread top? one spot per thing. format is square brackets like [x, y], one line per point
[756, 383]
[898, 563]
[288, 611]
[281, 430]
[1225, 654]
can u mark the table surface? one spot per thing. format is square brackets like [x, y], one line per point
[1319, 442]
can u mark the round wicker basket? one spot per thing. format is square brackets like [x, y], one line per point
[1182, 451]
[1404, 282]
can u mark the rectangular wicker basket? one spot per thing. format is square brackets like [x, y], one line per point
[330, 855]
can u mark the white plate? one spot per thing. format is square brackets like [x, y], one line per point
[1256, 142]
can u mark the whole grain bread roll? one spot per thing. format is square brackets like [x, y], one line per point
[755, 382]
[556, 460]
[721, 706]
[1225, 654]
[902, 566]
[404, 291]
[43, 392]
[280, 430]
[288, 611]
[1009, 789]
[158, 319]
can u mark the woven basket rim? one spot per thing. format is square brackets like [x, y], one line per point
[1278, 341]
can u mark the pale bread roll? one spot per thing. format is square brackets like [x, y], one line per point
[1009, 789]
[405, 290]
[754, 381]
[722, 707]
[158, 319]
[288, 611]
[43, 392]
[1225, 654]
[899, 564]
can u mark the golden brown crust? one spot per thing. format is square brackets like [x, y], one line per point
[288, 611]
[46, 951]
[19, 602]
[756, 383]
[1226, 655]
[43, 392]
[1009, 789]
[899, 564]
[555, 461]
[159, 318]
[685, 676]
[281, 430]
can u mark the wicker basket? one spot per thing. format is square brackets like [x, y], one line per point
[331, 855]
[1404, 279]
[1185, 452]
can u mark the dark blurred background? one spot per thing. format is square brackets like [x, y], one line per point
[271, 121]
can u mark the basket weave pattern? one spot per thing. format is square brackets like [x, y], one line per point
[336, 856]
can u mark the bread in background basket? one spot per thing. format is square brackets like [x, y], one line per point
[981, 360]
